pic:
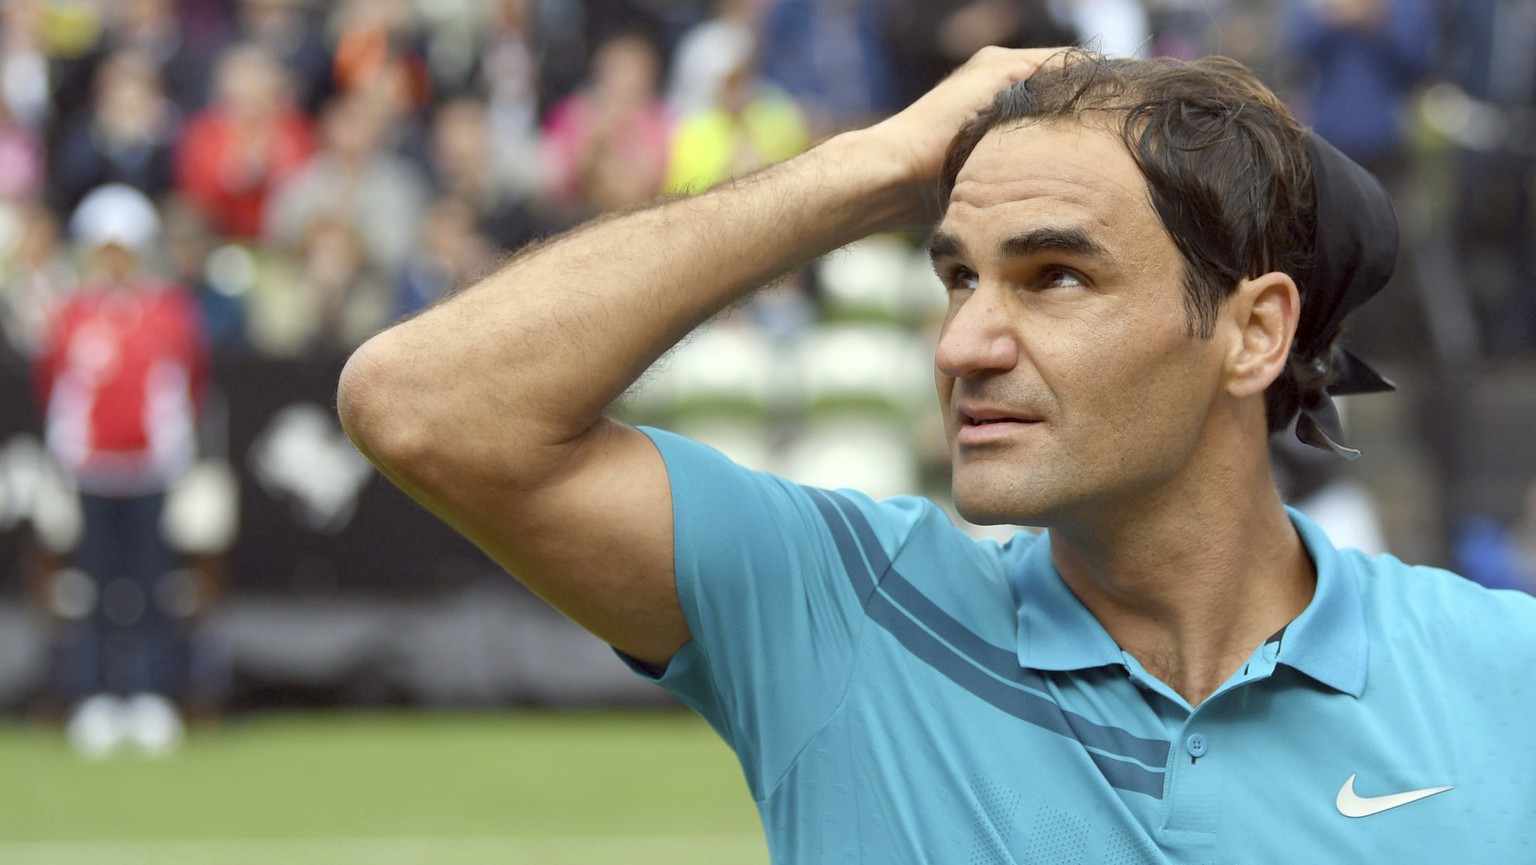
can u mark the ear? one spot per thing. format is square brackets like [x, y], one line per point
[1262, 313]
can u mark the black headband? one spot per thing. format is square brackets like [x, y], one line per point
[1356, 250]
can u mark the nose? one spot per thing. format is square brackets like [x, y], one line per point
[976, 338]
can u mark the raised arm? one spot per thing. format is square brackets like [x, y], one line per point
[489, 407]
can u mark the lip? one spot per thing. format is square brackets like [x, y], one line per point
[986, 425]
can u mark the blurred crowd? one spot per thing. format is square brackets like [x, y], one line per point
[303, 172]
[323, 167]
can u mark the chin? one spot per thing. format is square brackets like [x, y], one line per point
[993, 507]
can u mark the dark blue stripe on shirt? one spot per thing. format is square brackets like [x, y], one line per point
[853, 563]
[1001, 662]
[988, 671]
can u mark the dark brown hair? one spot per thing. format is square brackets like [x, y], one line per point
[1226, 168]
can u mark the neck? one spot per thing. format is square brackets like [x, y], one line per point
[1190, 585]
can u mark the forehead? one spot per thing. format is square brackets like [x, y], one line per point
[1054, 175]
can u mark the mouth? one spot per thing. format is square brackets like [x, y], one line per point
[982, 426]
[986, 417]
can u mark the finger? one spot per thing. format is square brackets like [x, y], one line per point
[992, 69]
[1021, 62]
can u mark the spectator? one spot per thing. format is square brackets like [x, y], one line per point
[120, 377]
[509, 70]
[709, 53]
[497, 177]
[25, 80]
[606, 145]
[934, 37]
[189, 242]
[378, 56]
[452, 251]
[832, 57]
[1368, 56]
[1489, 60]
[288, 34]
[35, 278]
[153, 28]
[23, 164]
[452, 35]
[1248, 32]
[750, 125]
[347, 300]
[128, 136]
[379, 195]
[230, 156]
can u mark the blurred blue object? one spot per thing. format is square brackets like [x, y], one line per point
[1487, 553]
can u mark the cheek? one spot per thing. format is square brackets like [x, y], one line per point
[1175, 391]
[1138, 375]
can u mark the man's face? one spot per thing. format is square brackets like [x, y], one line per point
[1070, 386]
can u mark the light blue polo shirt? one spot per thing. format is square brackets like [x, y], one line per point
[900, 693]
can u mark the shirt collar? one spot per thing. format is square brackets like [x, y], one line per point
[1056, 632]
[1327, 642]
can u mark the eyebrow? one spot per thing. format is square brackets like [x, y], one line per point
[1072, 241]
[944, 245]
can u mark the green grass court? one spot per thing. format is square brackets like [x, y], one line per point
[388, 789]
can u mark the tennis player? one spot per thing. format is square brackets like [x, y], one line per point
[1147, 265]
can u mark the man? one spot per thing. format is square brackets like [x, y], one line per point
[1180, 670]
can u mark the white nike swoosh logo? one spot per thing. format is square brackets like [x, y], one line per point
[1353, 805]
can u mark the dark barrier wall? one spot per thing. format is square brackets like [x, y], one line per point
[313, 515]
[20, 433]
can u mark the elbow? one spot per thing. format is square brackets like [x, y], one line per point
[372, 405]
[437, 431]
[409, 420]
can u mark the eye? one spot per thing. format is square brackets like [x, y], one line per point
[1060, 277]
[959, 278]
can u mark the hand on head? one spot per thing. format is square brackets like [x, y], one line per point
[919, 136]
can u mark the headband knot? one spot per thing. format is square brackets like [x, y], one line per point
[1355, 251]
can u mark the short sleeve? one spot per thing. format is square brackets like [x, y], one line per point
[774, 613]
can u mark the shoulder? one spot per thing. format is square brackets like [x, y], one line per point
[1450, 617]
[708, 482]
[1388, 582]
[909, 533]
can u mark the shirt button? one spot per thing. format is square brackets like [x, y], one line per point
[1195, 745]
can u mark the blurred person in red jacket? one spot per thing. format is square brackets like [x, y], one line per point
[120, 376]
[245, 144]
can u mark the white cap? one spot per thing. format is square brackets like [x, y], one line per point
[115, 214]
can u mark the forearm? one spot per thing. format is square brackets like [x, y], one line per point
[529, 358]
